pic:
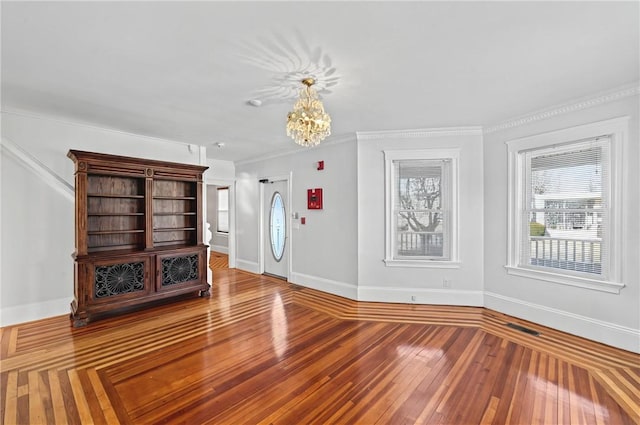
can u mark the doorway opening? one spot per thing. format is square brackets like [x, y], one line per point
[220, 224]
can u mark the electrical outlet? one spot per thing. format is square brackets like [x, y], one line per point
[413, 297]
[446, 283]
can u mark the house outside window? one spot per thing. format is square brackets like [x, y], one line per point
[421, 201]
[565, 205]
[223, 210]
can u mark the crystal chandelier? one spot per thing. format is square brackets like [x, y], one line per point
[308, 124]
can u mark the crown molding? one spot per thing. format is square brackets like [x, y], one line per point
[420, 133]
[572, 106]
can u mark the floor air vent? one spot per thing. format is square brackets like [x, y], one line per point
[523, 329]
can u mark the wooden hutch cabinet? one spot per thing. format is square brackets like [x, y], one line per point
[138, 233]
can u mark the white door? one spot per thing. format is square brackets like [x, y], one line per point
[276, 246]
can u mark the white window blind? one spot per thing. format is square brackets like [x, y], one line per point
[566, 207]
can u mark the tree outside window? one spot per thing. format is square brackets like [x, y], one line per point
[420, 208]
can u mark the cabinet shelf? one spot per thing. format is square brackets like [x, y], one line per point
[173, 213]
[171, 244]
[175, 198]
[110, 249]
[114, 195]
[173, 229]
[114, 232]
[109, 214]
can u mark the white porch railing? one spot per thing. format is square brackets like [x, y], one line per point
[583, 255]
[420, 243]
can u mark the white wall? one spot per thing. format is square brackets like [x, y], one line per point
[37, 233]
[325, 249]
[610, 318]
[376, 281]
[220, 171]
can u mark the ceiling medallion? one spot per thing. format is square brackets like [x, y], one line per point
[308, 124]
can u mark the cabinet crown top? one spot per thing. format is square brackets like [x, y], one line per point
[95, 158]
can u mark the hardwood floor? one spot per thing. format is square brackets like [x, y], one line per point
[261, 351]
[218, 260]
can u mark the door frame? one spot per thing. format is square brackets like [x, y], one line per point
[232, 218]
[262, 228]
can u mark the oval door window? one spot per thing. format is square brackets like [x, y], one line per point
[277, 228]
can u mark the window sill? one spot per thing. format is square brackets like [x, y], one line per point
[427, 264]
[577, 281]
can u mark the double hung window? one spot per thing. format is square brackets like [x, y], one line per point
[565, 206]
[421, 207]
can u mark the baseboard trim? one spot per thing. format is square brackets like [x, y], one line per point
[219, 248]
[334, 287]
[596, 330]
[34, 311]
[420, 296]
[247, 266]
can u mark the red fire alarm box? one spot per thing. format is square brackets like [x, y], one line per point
[314, 199]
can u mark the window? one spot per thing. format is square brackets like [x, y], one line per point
[277, 228]
[223, 210]
[565, 206]
[421, 208]
[564, 215]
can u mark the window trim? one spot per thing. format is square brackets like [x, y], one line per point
[453, 155]
[617, 130]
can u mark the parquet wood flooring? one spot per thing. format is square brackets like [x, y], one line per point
[261, 351]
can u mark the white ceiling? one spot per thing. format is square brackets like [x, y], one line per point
[186, 70]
